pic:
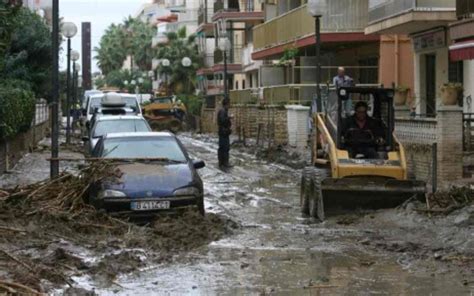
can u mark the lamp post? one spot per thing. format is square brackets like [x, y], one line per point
[316, 9]
[54, 164]
[224, 46]
[74, 56]
[75, 85]
[186, 63]
[166, 63]
[69, 30]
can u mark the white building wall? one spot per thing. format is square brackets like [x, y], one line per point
[468, 86]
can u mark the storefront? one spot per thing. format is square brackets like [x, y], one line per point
[462, 52]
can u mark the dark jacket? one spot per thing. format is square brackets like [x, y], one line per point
[372, 126]
[224, 123]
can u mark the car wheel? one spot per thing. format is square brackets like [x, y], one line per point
[200, 206]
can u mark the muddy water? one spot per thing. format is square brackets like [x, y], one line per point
[279, 252]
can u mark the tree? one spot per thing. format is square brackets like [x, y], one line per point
[28, 54]
[182, 79]
[131, 38]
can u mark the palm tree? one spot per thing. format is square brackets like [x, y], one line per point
[177, 48]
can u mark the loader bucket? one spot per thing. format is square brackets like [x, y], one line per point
[368, 193]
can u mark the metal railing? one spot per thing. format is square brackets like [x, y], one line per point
[41, 112]
[244, 96]
[234, 56]
[203, 17]
[465, 8]
[340, 16]
[379, 11]
[301, 94]
[242, 6]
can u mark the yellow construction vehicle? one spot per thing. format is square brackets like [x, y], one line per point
[165, 113]
[339, 178]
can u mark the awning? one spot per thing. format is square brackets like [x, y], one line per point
[462, 51]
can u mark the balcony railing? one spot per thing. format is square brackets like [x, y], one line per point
[340, 16]
[240, 6]
[465, 8]
[204, 18]
[388, 8]
[234, 56]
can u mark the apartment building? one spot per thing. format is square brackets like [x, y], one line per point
[289, 27]
[42, 7]
[426, 22]
[461, 50]
[227, 22]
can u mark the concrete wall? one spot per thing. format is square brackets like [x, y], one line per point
[469, 85]
[272, 76]
[442, 64]
[396, 61]
[11, 151]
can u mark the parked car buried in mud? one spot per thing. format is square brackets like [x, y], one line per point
[156, 174]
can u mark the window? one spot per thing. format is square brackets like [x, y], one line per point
[251, 80]
[237, 84]
[455, 72]
[243, 84]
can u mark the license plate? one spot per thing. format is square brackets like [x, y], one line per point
[149, 205]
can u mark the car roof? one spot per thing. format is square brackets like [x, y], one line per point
[139, 135]
[123, 95]
[119, 117]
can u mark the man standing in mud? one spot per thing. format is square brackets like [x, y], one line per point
[224, 124]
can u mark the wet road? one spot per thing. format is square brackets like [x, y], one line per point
[277, 251]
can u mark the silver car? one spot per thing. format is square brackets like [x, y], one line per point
[115, 124]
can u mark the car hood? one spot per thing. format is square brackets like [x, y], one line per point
[139, 180]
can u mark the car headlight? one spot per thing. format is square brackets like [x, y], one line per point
[187, 191]
[111, 193]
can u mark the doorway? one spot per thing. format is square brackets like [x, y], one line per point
[430, 70]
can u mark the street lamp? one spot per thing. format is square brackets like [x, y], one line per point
[75, 70]
[69, 30]
[224, 46]
[74, 56]
[316, 9]
[166, 63]
[54, 164]
[186, 62]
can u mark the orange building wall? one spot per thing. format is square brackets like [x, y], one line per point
[388, 61]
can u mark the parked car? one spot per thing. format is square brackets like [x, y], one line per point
[109, 104]
[85, 101]
[156, 174]
[114, 124]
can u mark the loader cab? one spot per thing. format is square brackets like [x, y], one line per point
[380, 115]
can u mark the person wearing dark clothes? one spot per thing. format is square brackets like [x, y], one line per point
[224, 123]
[362, 133]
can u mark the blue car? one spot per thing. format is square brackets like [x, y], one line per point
[156, 174]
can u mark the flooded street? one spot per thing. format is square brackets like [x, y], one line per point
[254, 241]
[277, 251]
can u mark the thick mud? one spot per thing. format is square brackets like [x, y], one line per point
[254, 241]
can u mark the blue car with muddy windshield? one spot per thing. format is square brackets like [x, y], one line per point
[155, 173]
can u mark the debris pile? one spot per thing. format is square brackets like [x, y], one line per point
[444, 202]
[43, 225]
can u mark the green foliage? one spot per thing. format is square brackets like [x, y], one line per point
[17, 108]
[288, 55]
[28, 55]
[182, 79]
[133, 37]
[193, 103]
[8, 15]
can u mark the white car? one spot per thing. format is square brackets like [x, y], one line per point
[96, 102]
[115, 124]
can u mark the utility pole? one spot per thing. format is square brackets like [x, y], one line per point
[54, 169]
[319, 104]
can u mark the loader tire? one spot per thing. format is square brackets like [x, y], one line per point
[316, 202]
[305, 189]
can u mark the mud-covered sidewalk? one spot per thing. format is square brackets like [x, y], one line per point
[254, 241]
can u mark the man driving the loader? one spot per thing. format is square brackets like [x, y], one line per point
[362, 133]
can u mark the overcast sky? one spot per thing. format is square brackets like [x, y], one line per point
[101, 13]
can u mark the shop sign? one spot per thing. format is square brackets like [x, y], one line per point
[430, 40]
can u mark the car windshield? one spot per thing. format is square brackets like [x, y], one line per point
[120, 126]
[143, 147]
[132, 103]
[94, 103]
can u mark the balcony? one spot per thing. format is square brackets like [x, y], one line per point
[341, 16]
[409, 16]
[241, 11]
[465, 9]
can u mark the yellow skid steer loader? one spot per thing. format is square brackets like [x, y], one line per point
[341, 178]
